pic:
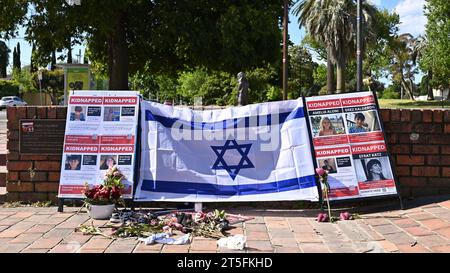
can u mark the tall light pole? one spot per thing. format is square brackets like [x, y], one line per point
[359, 83]
[285, 47]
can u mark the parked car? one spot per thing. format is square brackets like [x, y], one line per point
[11, 101]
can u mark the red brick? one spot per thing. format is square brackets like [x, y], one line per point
[438, 160]
[439, 139]
[392, 138]
[51, 112]
[13, 145]
[446, 116]
[48, 165]
[416, 115]
[395, 114]
[435, 224]
[19, 165]
[427, 116]
[444, 232]
[13, 135]
[54, 176]
[11, 113]
[46, 187]
[425, 171]
[33, 157]
[441, 249]
[398, 127]
[406, 138]
[42, 112]
[61, 112]
[36, 176]
[425, 149]
[385, 115]
[418, 231]
[424, 191]
[428, 128]
[447, 128]
[413, 181]
[399, 149]
[32, 196]
[12, 156]
[412, 248]
[54, 157]
[20, 187]
[405, 115]
[402, 171]
[13, 176]
[438, 115]
[31, 112]
[445, 149]
[446, 171]
[440, 182]
[410, 160]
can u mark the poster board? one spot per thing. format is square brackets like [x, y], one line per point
[101, 131]
[348, 141]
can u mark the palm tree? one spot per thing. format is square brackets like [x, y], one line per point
[333, 23]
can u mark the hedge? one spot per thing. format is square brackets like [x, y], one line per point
[8, 88]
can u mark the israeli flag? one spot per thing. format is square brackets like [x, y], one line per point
[259, 152]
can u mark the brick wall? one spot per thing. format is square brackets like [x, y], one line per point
[419, 142]
[31, 177]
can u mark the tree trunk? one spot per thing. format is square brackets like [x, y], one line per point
[330, 73]
[118, 56]
[408, 88]
[69, 54]
[340, 75]
[429, 88]
[53, 61]
[33, 67]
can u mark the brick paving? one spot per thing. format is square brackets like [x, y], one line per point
[424, 226]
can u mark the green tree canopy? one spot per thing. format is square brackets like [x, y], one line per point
[435, 58]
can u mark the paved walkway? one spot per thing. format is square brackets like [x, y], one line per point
[423, 227]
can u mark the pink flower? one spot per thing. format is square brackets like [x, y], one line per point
[320, 171]
[345, 216]
[322, 217]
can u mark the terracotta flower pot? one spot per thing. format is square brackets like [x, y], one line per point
[100, 212]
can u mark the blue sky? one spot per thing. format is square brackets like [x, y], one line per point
[410, 11]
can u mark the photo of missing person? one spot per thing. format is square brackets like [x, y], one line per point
[362, 122]
[111, 114]
[77, 113]
[328, 164]
[327, 125]
[107, 161]
[373, 169]
[73, 162]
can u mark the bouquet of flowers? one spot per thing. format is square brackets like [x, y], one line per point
[109, 192]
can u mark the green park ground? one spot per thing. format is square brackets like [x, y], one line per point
[397, 103]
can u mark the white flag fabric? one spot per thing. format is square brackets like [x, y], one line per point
[258, 152]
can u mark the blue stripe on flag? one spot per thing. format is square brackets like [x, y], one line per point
[227, 190]
[243, 122]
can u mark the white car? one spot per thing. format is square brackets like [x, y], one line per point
[11, 101]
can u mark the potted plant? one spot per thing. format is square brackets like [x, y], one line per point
[102, 199]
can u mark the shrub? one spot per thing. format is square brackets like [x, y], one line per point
[8, 88]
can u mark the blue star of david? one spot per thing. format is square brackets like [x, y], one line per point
[232, 170]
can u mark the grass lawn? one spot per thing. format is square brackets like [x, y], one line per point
[396, 103]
